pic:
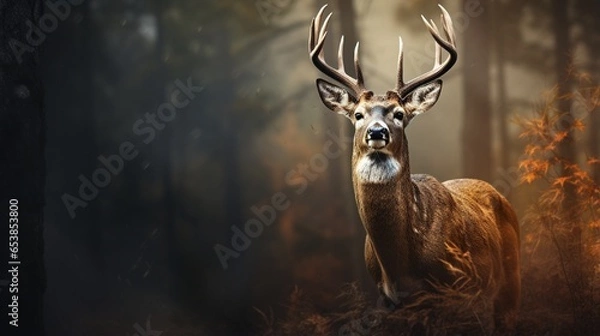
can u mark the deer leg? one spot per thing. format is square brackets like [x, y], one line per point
[375, 270]
[372, 262]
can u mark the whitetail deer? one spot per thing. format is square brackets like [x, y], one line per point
[410, 220]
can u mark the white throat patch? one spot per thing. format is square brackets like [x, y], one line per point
[370, 170]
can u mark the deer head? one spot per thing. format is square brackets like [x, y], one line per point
[380, 147]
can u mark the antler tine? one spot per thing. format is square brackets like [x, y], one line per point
[316, 41]
[325, 25]
[438, 51]
[439, 67]
[313, 33]
[359, 75]
[317, 20]
[400, 80]
[447, 25]
[341, 65]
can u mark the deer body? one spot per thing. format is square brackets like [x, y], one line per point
[410, 220]
[420, 231]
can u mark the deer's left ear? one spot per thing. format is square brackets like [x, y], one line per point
[423, 97]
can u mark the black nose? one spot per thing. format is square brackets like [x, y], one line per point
[377, 133]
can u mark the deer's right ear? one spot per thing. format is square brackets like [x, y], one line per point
[337, 99]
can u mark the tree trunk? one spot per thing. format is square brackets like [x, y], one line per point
[87, 40]
[231, 130]
[22, 132]
[231, 149]
[564, 86]
[176, 288]
[476, 137]
[594, 128]
[501, 105]
[330, 121]
[68, 66]
[593, 43]
[571, 243]
[341, 167]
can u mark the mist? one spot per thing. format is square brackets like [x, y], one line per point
[195, 184]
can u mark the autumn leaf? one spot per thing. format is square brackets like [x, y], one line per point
[560, 181]
[552, 197]
[595, 224]
[581, 174]
[578, 125]
[594, 250]
[593, 161]
[529, 177]
[531, 149]
[551, 146]
[560, 136]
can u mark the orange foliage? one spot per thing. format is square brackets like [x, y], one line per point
[562, 229]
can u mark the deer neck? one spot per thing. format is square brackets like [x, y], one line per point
[388, 209]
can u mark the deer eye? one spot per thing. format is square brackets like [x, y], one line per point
[358, 116]
[398, 115]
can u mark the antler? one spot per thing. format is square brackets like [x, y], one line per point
[316, 41]
[439, 68]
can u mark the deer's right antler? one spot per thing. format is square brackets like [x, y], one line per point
[316, 41]
[439, 68]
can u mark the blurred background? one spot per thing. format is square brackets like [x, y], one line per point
[215, 107]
